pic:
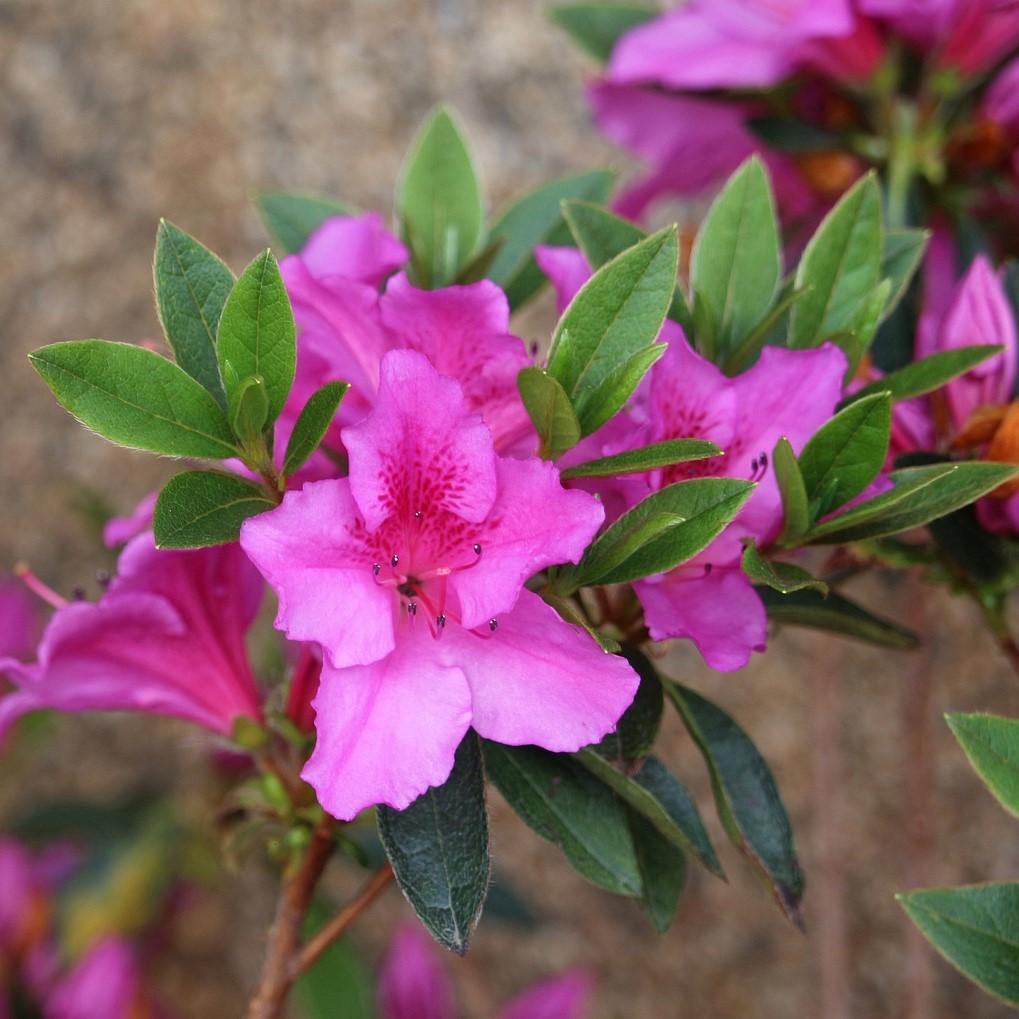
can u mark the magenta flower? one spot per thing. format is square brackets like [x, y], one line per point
[410, 575]
[167, 638]
[20, 620]
[413, 985]
[345, 327]
[105, 984]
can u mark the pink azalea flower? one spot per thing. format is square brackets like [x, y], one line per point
[413, 985]
[345, 327]
[105, 984]
[20, 620]
[1001, 101]
[410, 575]
[166, 638]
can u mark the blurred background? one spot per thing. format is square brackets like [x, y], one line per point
[114, 114]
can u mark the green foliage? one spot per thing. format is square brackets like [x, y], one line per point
[135, 397]
[779, 576]
[635, 732]
[439, 202]
[249, 410]
[992, 746]
[551, 411]
[596, 27]
[200, 508]
[292, 218]
[192, 285]
[646, 458]
[793, 490]
[312, 423]
[901, 257]
[662, 867]
[339, 983]
[438, 847]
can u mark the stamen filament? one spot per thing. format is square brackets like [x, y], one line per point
[38, 588]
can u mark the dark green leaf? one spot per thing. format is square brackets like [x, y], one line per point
[628, 550]
[746, 795]
[135, 398]
[845, 455]
[992, 746]
[312, 423]
[856, 342]
[249, 409]
[567, 805]
[292, 218]
[550, 410]
[779, 576]
[597, 27]
[748, 348]
[903, 252]
[200, 508]
[794, 493]
[635, 732]
[786, 134]
[646, 458]
[339, 983]
[976, 928]
[927, 374]
[736, 262]
[537, 218]
[608, 398]
[439, 202]
[192, 285]
[978, 553]
[841, 265]
[257, 334]
[662, 871]
[438, 847]
[921, 494]
[835, 614]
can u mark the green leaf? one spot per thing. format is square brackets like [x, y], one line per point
[748, 348]
[257, 334]
[608, 398]
[597, 27]
[737, 262]
[662, 871]
[192, 285]
[927, 374]
[550, 410]
[646, 458]
[793, 491]
[630, 549]
[200, 508]
[535, 219]
[249, 409]
[601, 236]
[635, 732]
[135, 397]
[920, 495]
[835, 614]
[616, 314]
[841, 265]
[438, 847]
[338, 983]
[746, 795]
[845, 455]
[567, 805]
[992, 746]
[857, 341]
[439, 202]
[788, 135]
[312, 424]
[779, 576]
[902, 255]
[657, 795]
[976, 928]
[292, 218]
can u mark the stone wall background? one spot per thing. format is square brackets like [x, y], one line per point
[113, 114]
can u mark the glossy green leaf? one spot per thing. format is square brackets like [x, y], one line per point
[976, 928]
[135, 397]
[312, 423]
[535, 219]
[778, 575]
[921, 494]
[662, 868]
[630, 549]
[249, 409]
[841, 265]
[845, 455]
[635, 732]
[292, 218]
[192, 285]
[438, 847]
[200, 508]
[257, 335]
[567, 805]
[747, 797]
[903, 252]
[439, 202]
[992, 746]
[747, 350]
[795, 509]
[596, 27]
[835, 614]
[550, 410]
[927, 374]
[646, 458]
[737, 262]
[605, 400]
[616, 314]
[856, 342]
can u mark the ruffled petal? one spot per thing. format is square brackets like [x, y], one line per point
[356, 247]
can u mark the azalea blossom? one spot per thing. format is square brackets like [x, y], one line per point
[20, 620]
[106, 983]
[166, 638]
[410, 574]
[413, 985]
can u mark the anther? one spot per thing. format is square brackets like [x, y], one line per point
[493, 625]
[412, 609]
[376, 568]
[440, 621]
[78, 594]
[764, 461]
[103, 578]
[418, 514]
[477, 549]
[395, 561]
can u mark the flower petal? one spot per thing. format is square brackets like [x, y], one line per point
[387, 731]
[412, 983]
[566, 268]
[561, 997]
[356, 247]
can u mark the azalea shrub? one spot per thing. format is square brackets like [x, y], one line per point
[476, 547]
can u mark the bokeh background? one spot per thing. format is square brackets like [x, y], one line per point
[113, 114]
